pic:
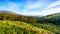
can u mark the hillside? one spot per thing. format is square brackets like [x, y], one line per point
[15, 27]
[7, 15]
[54, 18]
[21, 24]
[50, 22]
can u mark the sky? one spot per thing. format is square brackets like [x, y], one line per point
[31, 7]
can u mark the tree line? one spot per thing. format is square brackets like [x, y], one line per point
[15, 17]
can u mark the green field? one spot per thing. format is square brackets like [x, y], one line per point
[15, 27]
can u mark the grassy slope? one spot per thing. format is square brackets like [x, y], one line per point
[15, 27]
[48, 26]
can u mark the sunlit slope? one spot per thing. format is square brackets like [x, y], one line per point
[15, 27]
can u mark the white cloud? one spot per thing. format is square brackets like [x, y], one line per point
[45, 12]
[50, 11]
[53, 4]
[35, 5]
[14, 7]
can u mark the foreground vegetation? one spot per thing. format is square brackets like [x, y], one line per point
[15, 27]
[47, 26]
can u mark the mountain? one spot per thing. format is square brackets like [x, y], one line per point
[49, 22]
[53, 18]
[12, 23]
[8, 15]
[30, 24]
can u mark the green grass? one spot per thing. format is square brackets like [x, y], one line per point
[16, 27]
[48, 26]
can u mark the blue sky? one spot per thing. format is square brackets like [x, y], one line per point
[31, 7]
